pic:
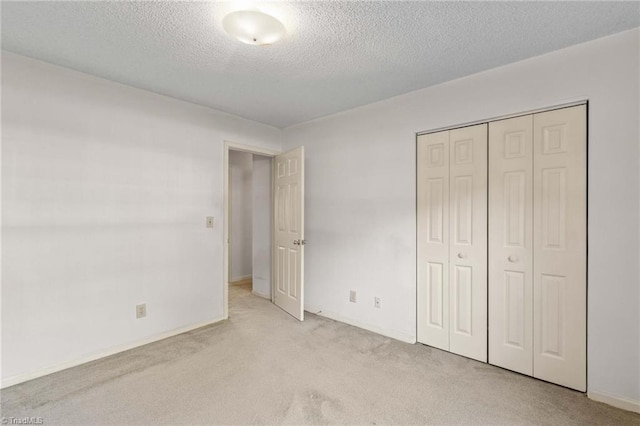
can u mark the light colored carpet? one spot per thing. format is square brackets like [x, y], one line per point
[261, 366]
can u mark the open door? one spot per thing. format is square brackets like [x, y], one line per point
[288, 215]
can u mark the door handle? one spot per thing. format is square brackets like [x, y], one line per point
[296, 242]
[513, 259]
[461, 255]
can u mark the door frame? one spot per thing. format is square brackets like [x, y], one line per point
[562, 105]
[233, 146]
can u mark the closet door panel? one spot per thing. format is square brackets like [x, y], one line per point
[468, 241]
[559, 298]
[511, 244]
[433, 239]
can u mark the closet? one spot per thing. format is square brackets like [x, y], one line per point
[532, 202]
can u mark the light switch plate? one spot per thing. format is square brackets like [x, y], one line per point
[141, 310]
[209, 221]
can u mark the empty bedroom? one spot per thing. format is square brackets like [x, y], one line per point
[320, 212]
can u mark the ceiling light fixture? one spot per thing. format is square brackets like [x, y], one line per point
[253, 27]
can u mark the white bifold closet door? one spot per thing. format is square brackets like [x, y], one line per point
[511, 244]
[537, 245]
[560, 247]
[452, 240]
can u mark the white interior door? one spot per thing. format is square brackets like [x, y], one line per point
[468, 241]
[511, 244]
[433, 239]
[289, 232]
[560, 246]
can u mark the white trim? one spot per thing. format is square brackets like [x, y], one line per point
[394, 334]
[225, 232]
[240, 278]
[14, 380]
[264, 296]
[251, 149]
[615, 401]
[273, 231]
[228, 145]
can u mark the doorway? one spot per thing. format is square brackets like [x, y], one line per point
[284, 258]
[248, 224]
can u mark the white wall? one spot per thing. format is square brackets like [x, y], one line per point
[105, 190]
[360, 195]
[262, 225]
[240, 215]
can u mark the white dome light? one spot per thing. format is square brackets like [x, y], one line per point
[253, 27]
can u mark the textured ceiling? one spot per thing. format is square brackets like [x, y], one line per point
[336, 55]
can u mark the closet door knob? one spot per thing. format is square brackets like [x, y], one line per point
[461, 255]
[513, 259]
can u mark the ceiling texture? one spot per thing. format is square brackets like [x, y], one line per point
[336, 55]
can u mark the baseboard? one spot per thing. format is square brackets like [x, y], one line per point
[235, 280]
[397, 335]
[616, 401]
[14, 380]
[264, 296]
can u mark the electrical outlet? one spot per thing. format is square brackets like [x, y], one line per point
[141, 310]
[352, 296]
[209, 221]
[376, 302]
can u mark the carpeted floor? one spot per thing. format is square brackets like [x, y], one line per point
[261, 366]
